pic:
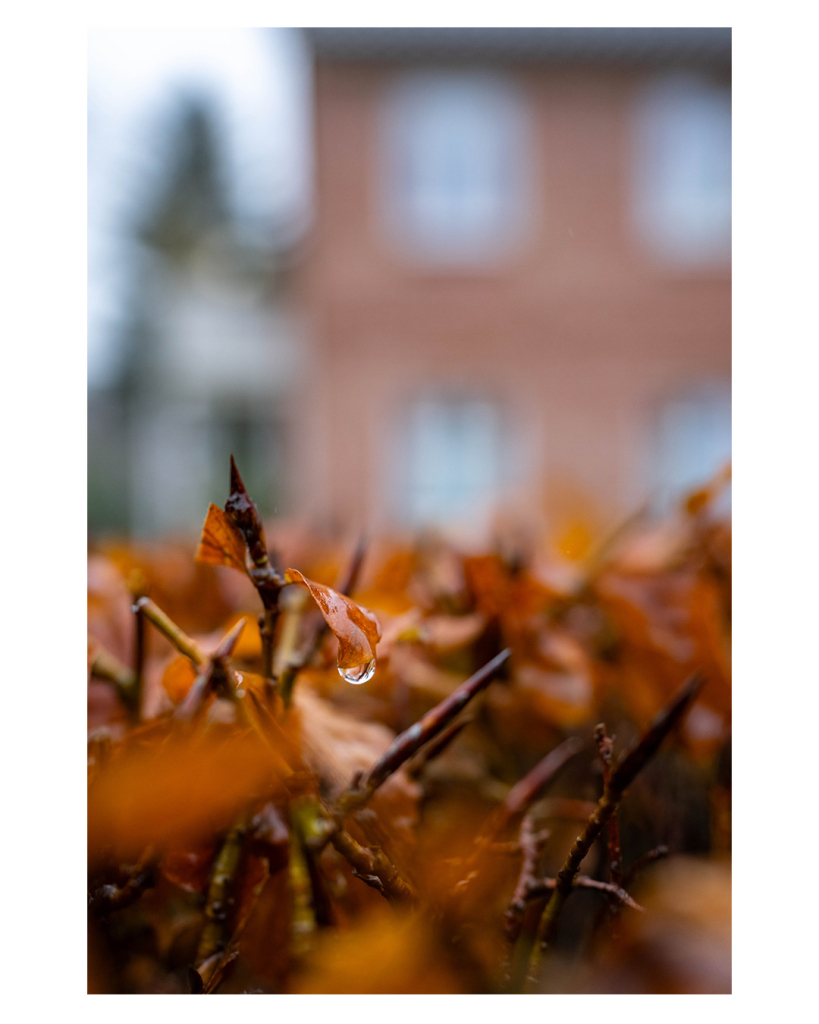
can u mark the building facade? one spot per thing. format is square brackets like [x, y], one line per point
[517, 290]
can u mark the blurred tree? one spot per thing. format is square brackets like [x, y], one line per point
[193, 203]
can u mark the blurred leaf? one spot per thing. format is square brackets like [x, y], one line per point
[178, 678]
[176, 791]
[382, 955]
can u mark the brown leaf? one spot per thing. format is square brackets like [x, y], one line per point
[357, 628]
[221, 543]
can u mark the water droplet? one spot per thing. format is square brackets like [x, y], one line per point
[359, 673]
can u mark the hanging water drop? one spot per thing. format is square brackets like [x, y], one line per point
[358, 673]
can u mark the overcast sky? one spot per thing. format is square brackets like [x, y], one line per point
[256, 85]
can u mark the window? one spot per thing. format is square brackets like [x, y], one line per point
[455, 181]
[693, 440]
[682, 184]
[452, 461]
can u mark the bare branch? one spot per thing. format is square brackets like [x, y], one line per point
[642, 862]
[108, 667]
[428, 753]
[621, 778]
[169, 629]
[541, 886]
[531, 843]
[605, 748]
[429, 726]
[373, 867]
[524, 792]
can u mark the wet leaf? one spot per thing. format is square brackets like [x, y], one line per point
[357, 628]
[221, 542]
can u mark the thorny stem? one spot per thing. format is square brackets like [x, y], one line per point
[425, 729]
[242, 512]
[621, 777]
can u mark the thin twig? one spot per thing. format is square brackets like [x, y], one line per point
[215, 674]
[373, 867]
[303, 918]
[418, 761]
[605, 748]
[642, 862]
[531, 843]
[317, 827]
[242, 512]
[139, 662]
[621, 777]
[524, 792]
[169, 629]
[539, 887]
[108, 667]
[428, 727]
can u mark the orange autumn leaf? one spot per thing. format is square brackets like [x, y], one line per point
[357, 628]
[178, 678]
[221, 543]
[180, 791]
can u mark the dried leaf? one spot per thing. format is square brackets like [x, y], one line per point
[221, 543]
[357, 628]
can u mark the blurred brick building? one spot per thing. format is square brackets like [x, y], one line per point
[517, 287]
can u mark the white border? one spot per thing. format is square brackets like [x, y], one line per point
[774, 497]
